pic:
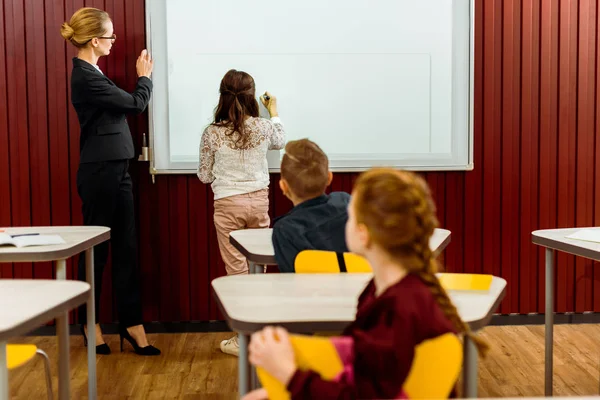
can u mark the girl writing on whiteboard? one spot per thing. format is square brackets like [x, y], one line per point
[233, 159]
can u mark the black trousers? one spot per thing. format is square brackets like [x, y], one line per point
[105, 189]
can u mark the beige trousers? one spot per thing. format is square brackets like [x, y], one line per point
[242, 211]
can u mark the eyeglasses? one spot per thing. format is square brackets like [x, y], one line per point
[113, 37]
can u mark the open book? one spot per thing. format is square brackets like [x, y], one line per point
[29, 240]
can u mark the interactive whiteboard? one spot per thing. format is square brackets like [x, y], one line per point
[373, 82]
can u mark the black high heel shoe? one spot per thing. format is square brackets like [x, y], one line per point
[142, 351]
[100, 349]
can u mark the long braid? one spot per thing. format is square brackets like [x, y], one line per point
[399, 212]
[427, 275]
[426, 266]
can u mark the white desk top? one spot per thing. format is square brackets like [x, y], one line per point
[77, 238]
[28, 304]
[556, 239]
[322, 302]
[256, 244]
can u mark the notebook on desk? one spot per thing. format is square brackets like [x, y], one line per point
[25, 240]
[587, 235]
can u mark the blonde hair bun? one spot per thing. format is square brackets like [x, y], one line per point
[66, 31]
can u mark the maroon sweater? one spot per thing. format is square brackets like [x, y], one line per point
[386, 330]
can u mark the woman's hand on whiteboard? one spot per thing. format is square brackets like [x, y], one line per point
[270, 104]
[144, 64]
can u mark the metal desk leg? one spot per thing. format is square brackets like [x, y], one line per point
[254, 268]
[91, 323]
[243, 364]
[62, 331]
[549, 318]
[4, 388]
[254, 381]
[470, 369]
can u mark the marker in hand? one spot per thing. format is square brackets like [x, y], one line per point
[266, 96]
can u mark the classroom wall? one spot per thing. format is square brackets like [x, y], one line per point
[536, 155]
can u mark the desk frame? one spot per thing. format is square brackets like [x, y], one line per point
[247, 374]
[59, 255]
[63, 337]
[552, 244]
[257, 263]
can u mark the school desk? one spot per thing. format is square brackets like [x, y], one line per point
[307, 303]
[78, 239]
[28, 304]
[552, 240]
[257, 247]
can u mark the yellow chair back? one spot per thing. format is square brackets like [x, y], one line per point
[459, 281]
[316, 262]
[356, 264]
[433, 374]
[326, 262]
[435, 368]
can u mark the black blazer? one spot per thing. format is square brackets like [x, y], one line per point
[102, 109]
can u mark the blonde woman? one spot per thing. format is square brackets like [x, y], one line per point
[103, 180]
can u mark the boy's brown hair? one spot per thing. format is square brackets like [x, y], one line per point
[305, 168]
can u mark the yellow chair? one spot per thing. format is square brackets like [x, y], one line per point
[433, 374]
[435, 368]
[20, 354]
[328, 262]
[459, 281]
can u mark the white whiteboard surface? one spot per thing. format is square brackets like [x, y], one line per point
[373, 82]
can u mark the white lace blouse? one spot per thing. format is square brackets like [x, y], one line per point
[233, 170]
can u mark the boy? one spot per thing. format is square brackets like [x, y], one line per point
[318, 220]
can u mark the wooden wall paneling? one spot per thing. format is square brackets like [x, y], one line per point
[58, 104]
[548, 132]
[18, 123]
[37, 96]
[273, 187]
[280, 204]
[596, 173]
[439, 195]
[472, 209]
[455, 222]
[340, 183]
[217, 267]
[167, 300]
[6, 270]
[567, 126]
[150, 237]
[179, 263]
[511, 132]
[200, 289]
[492, 136]
[529, 147]
[584, 155]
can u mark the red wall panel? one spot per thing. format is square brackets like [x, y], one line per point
[536, 108]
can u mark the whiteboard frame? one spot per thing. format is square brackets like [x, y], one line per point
[164, 140]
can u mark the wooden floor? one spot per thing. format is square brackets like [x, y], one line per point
[193, 367]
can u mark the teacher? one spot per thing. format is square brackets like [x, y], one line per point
[103, 180]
